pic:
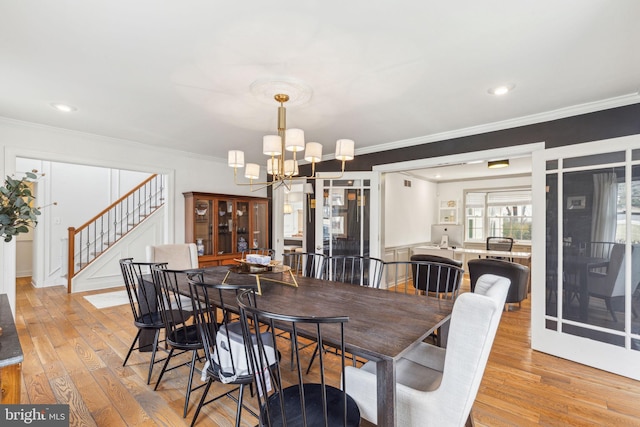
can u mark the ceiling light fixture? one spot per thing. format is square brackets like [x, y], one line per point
[497, 164]
[64, 107]
[285, 171]
[501, 90]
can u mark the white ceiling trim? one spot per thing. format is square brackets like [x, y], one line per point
[107, 139]
[620, 101]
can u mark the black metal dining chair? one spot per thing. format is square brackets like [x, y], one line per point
[354, 269]
[431, 279]
[305, 264]
[295, 400]
[435, 279]
[222, 338]
[145, 306]
[181, 334]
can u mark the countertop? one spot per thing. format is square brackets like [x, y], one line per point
[10, 349]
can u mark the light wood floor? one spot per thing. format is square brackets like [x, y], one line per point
[74, 353]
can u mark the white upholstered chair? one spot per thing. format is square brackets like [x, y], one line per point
[437, 386]
[182, 256]
[610, 285]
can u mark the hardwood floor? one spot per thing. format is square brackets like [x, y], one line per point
[74, 353]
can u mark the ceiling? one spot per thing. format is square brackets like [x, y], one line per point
[180, 74]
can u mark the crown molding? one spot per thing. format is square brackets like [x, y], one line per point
[106, 139]
[575, 110]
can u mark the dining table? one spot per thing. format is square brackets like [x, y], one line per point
[383, 325]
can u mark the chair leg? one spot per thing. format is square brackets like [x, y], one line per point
[164, 368]
[292, 350]
[189, 383]
[153, 355]
[610, 308]
[202, 399]
[239, 410]
[313, 357]
[133, 344]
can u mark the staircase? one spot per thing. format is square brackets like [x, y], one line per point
[90, 240]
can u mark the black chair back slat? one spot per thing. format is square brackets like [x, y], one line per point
[295, 399]
[305, 264]
[357, 270]
[222, 337]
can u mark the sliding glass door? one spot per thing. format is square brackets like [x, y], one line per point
[586, 298]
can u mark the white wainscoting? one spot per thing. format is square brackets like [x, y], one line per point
[105, 271]
[396, 253]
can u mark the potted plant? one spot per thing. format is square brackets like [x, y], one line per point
[17, 209]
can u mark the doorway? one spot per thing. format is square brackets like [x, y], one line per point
[347, 215]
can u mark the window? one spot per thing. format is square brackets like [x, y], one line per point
[474, 216]
[502, 213]
[621, 229]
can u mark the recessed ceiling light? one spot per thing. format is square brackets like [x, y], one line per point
[501, 90]
[64, 107]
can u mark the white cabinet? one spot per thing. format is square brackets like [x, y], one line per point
[448, 212]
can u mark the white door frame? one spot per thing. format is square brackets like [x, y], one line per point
[608, 357]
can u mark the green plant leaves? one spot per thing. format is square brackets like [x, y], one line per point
[17, 210]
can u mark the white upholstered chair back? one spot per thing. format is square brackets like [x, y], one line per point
[449, 378]
[182, 256]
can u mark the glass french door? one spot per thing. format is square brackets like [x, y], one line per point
[585, 295]
[347, 215]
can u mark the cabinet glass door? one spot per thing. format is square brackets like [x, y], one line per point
[242, 226]
[225, 227]
[203, 226]
[260, 229]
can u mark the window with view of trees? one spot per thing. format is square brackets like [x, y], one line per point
[502, 213]
[621, 229]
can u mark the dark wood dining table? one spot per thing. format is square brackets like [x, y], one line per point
[382, 326]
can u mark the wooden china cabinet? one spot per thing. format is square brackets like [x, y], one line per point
[223, 226]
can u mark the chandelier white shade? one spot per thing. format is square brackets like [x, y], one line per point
[282, 170]
[344, 149]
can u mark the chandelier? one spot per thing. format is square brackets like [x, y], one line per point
[284, 171]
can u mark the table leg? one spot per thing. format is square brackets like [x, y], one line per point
[386, 388]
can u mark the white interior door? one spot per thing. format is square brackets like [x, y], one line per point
[348, 215]
[585, 297]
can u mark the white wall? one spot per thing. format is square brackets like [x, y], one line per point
[408, 211]
[187, 172]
